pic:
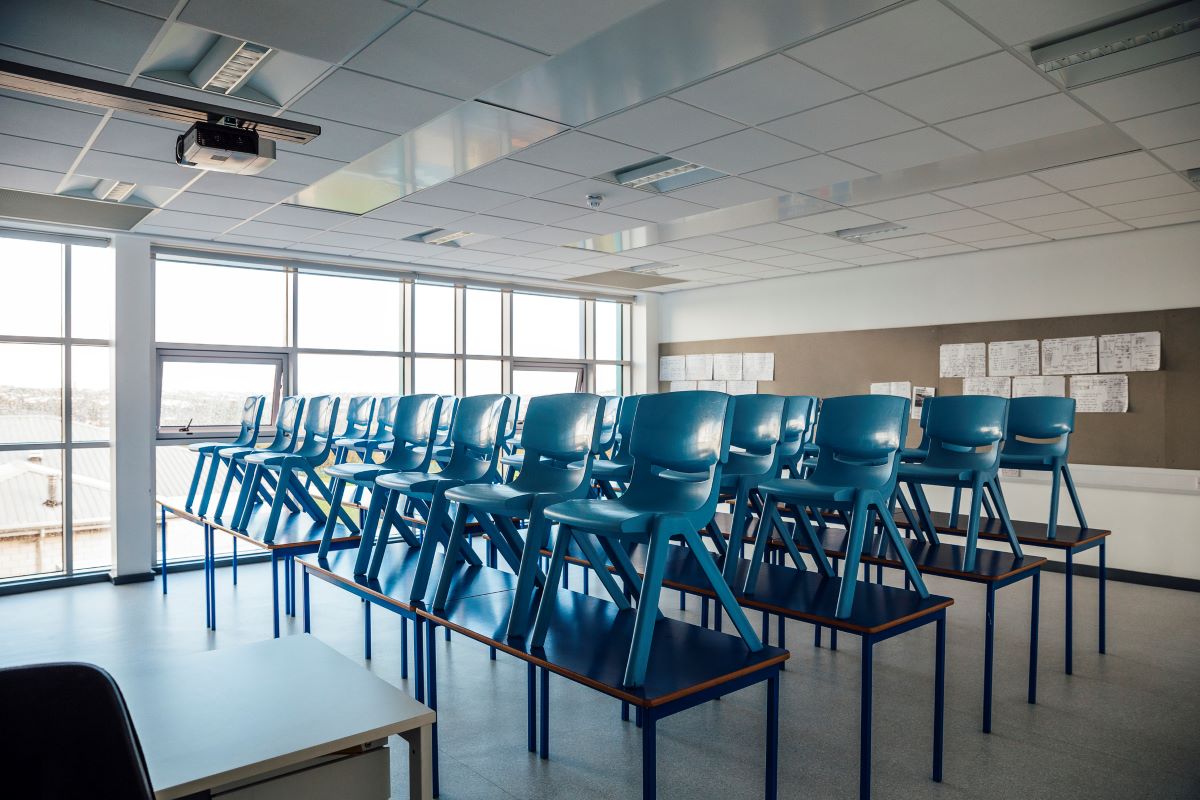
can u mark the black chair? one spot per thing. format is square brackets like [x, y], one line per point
[69, 735]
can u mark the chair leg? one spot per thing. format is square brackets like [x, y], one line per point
[206, 495]
[195, 484]
[923, 512]
[434, 531]
[596, 562]
[245, 504]
[450, 564]
[736, 537]
[1066, 472]
[973, 525]
[724, 594]
[381, 540]
[545, 612]
[620, 561]
[854, 545]
[814, 542]
[987, 508]
[906, 510]
[910, 568]
[286, 479]
[954, 503]
[761, 539]
[231, 472]
[336, 488]
[367, 543]
[1005, 520]
[527, 574]
[647, 609]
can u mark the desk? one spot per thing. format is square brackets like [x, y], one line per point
[206, 723]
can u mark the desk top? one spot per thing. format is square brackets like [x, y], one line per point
[1066, 537]
[294, 530]
[203, 719]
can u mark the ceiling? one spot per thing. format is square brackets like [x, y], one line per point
[822, 116]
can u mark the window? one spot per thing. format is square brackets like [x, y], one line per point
[610, 379]
[217, 304]
[547, 327]
[609, 331]
[484, 376]
[202, 392]
[483, 324]
[531, 380]
[433, 376]
[348, 313]
[56, 316]
[433, 318]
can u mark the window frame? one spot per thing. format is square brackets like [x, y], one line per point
[172, 434]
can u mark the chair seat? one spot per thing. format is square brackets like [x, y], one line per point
[913, 454]
[492, 498]
[810, 449]
[360, 473]
[601, 516]
[352, 443]
[608, 470]
[239, 452]
[208, 447]
[1023, 461]
[413, 482]
[926, 473]
[512, 460]
[805, 491]
[266, 458]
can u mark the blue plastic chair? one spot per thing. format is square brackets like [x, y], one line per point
[1042, 418]
[561, 437]
[252, 410]
[857, 463]
[958, 428]
[413, 423]
[810, 449]
[367, 444]
[611, 474]
[686, 432]
[441, 453]
[798, 416]
[360, 413]
[475, 437]
[287, 429]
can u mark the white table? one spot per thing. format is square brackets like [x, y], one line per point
[216, 720]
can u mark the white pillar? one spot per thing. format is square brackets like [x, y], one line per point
[645, 343]
[133, 422]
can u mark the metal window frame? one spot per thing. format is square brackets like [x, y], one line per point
[281, 358]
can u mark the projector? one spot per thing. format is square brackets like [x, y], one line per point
[224, 147]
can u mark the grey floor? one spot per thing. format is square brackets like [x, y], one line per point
[1126, 725]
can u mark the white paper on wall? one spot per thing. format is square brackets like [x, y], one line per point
[1039, 386]
[727, 366]
[919, 395]
[1071, 356]
[742, 387]
[683, 386]
[710, 386]
[698, 367]
[993, 386]
[670, 368]
[1101, 393]
[1131, 352]
[964, 360]
[758, 366]
[1013, 358]
[895, 388]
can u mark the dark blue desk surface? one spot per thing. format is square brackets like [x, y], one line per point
[1066, 537]
[294, 530]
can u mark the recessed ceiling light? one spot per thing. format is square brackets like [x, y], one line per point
[113, 191]
[439, 236]
[864, 231]
[228, 64]
[652, 172]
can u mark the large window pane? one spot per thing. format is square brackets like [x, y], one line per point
[93, 288]
[31, 516]
[347, 376]
[173, 467]
[31, 274]
[433, 318]
[31, 394]
[483, 322]
[609, 331]
[211, 393]
[344, 313]
[547, 327]
[483, 377]
[91, 393]
[529, 383]
[609, 379]
[91, 507]
[203, 304]
[433, 376]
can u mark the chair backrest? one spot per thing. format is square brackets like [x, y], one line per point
[450, 405]
[252, 409]
[814, 417]
[320, 418]
[754, 439]
[1043, 418]
[561, 437]
[414, 426]
[608, 424]
[287, 425]
[860, 438]
[360, 411]
[681, 432]
[69, 734]
[629, 406]
[926, 405]
[798, 412]
[514, 413]
[385, 418]
[476, 437]
[960, 426]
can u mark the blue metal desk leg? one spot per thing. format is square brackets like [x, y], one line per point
[212, 577]
[772, 782]
[366, 625]
[163, 550]
[1070, 610]
[649, 787]
[531, 707]
[1033, 635]
[864, 734]
[544, 714]
[235, 561]
[431, 700]
[1103, 582]
[403, 648]
[307, 608]
[989, 627]
[419, 657]
[275, 591]
[939, 697]
[207, 599]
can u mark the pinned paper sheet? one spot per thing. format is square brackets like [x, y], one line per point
[994, 386]
[1071, 356]
[710, 386]
[741, 387]
[896, 388]
[965, 360]
[919, 395]
[1100, 393]
[698, 367]
[758, 366]
[1039, 386]
[727, 366]
[1131, 352]
[683, 386]
[670, 368]
[1013, 358]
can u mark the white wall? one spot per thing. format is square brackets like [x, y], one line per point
[1144, 270]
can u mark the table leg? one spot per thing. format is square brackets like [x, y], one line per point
[1103, 583]
[703, 612]
[275, 591]
[420, 762]
[212, 576]
[419, 657]
[531, 707]
[544, 714]
[366, 626]
[772, 782]
[939, 697]
[307, 607]
[163, 549]
[404, 648]
[207, 598]
[235, 561]
[649, 776]
[431, 697]
[989, 634]
[864, 734]
[1070, 611]
[1033, 634]
[766, 628]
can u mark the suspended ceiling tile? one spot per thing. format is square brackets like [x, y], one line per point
[1017, 21]
[794, 261]
[525, 263]
[37, 120]
[1009, 241]
[725, 192]
[969, 88]
[946, 250]
[530, 209]
[1102, 170]
[662, 126]
[565, 255]
[264, 190]
[492, 226]
[372, 102]
[950, 220]
[889, 258]
[443, 57]
[746, 150]
[217, 206]
[258, 241]
[22, 152]
[1069, 219]
[754, 252]
[314, 28]
[904, 150]
[379, 227]
[662, 209]
[764, 234]
[350, 241]
[272, 230]
[517, 177]
[79, 30]
[1167, 219]
[1024, 122]
[568, 270]
[1140, 189]
[549, 234]
[846, 122]
[808, 244]
[1033, 206]
[846, 251]
[299, 168]
[997, 191]
[911, 40]
[312, 218]
[599, 223]
[703, 261]
[581, 154]
[809, 173]
[613, 195]
[417, 214]
[708, 244]
[1156, 89]
[1155, 206]
[909, 244]
[28, 180]
[830, 221]
[1088, 230]
[201, 223]
[764, 90]
[337, 140]
[463, 197]
[471, 256]
[136, 170]
[1181, 156]
[160, 231]
[904, 207]
[139, 139]
[1164, 128]
[549, 27]
[157, 8]
[993, 230]
[661, 253]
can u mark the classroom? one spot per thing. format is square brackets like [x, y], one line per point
[596, 399]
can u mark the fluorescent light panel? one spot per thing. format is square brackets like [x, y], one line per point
[863, 231]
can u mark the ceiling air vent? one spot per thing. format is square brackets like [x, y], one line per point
[113, 191]
[228, 64]
[442, 236]
[663, 175]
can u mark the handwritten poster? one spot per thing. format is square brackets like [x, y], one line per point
[993, 386]
[1039, 386]
[1131, 352]
[670, 368]
[919, 395]
[966, 360]
[1100, 393]
[727, 366]
[698, 367]
[1071, 356]
[896, 388]
[710, 386]
[758, 366]
[683, 386]
[1013, 358]
[742, 387]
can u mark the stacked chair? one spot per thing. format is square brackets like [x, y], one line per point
[1051, 420]
[612, 473]
[360, 413]
[287, 429]
[252, 410]
[366, 445]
